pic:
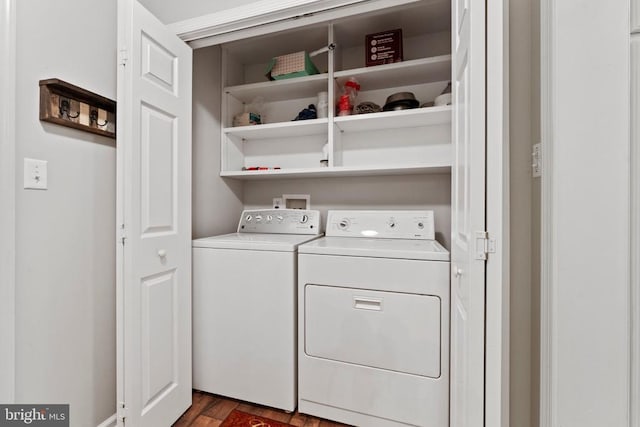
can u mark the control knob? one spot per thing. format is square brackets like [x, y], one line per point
[248, 218]
[280, 218]
[343, 224]
[304, 219]
[258, 218]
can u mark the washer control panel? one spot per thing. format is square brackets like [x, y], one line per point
[382, 224]
[280, 221]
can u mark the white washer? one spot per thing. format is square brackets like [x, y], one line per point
[373, 321]
[244, 307]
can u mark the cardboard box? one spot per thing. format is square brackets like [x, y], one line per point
[383, 48]
[292, 65]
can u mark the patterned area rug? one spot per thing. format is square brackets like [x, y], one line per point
[240, 419]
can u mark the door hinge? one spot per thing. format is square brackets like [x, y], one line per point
[122, 412]
[123, 236]
[124, 56]
[536, 161]
[484, 245]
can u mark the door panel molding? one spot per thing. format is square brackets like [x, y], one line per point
[575, 281]
[7, 195]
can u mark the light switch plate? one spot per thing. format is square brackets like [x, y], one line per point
[35, 174]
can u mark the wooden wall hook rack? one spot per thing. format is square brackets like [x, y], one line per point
[68, 105]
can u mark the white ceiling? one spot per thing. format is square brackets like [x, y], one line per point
[169, 11]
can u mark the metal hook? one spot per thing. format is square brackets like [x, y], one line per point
[65, 109]
[93, 118]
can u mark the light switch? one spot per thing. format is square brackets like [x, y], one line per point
[35, 174]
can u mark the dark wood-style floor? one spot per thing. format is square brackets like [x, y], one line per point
[209, 410]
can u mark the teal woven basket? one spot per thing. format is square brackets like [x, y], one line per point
[289, 66]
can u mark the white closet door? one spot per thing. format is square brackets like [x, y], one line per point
[468, 210]
[154, 200]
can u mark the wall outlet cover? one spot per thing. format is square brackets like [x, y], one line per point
[277, 203]
[296, 201]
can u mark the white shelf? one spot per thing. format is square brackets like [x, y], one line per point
[416, 117]
[436, 167]
[406, 73]
[280, 130]
[280, 90]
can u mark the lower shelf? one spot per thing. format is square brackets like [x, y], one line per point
[339, 171]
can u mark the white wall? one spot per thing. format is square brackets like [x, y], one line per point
[586, 202]
[217, 202]
[7, 195]
[382, 192]
[65, 251]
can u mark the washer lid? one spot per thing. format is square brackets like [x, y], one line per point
[427, 250]
[255, 242]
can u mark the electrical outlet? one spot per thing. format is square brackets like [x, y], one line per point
[296, 201]
[35, 174]
[277, 203]
[536, 161]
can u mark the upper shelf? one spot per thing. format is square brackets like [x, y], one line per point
[416, 71]
[405, 73]
[433, 167]
[280, 90]
[416, 117]
[280, 130]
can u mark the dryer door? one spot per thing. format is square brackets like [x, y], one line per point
[393, 331]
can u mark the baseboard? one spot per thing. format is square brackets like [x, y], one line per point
[112, 421]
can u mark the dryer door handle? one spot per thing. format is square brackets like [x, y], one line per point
[364, 303]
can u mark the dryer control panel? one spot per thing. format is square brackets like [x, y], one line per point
[417, 225]
[280, 221]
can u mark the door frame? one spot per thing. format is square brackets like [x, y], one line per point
[635, 233]
[497, 320]
[275, 15]
[635, 219]
[7, 195]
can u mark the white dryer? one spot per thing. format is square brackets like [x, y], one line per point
[373, 321]
[244, 307]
